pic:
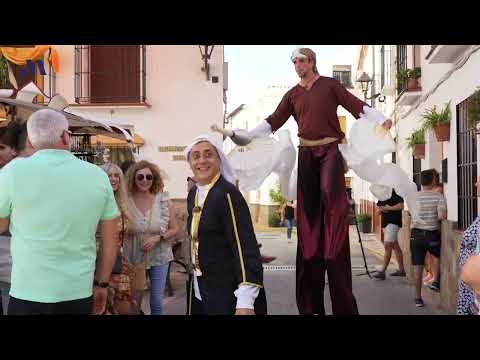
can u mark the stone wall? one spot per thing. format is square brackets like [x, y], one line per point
[449, 272]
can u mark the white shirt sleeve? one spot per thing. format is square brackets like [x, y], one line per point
[262, 130]
[374, 114]
[246, 295]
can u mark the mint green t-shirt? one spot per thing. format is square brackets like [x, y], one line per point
[55, 202]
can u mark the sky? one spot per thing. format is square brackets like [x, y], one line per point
[251, 68]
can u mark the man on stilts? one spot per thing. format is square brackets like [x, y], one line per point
[322, 203]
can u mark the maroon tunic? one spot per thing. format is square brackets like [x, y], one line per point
[322, 204]
[315, 110]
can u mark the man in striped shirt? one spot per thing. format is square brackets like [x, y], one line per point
[426, 236]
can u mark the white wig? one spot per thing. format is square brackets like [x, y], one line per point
[225, 167]
[45, 127]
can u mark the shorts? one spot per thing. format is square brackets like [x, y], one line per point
[390, 233]
[422, 241]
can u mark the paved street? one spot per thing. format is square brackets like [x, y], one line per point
[393, 296]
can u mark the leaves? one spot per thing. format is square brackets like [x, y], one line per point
[363, 218]
[474, 108]
[276, 194]
[417, 137]
[405, 74]
[432, 117]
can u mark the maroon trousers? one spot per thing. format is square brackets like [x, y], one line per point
[322, 228]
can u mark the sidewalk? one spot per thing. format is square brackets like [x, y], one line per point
[393, 296]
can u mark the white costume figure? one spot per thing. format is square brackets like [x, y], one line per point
[368, 143]
[253, 163]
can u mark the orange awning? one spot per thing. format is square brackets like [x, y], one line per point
[110, 141]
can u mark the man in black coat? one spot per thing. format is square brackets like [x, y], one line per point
[227, 275]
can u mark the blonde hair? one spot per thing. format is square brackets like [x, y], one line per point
[121, 193]
[157, 185]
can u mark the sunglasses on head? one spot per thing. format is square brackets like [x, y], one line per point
[140, 177]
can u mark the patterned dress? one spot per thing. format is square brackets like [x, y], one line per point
[466, 295]
[119, 285]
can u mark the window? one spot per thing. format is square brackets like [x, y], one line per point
[344, 77]
[110, 74]
[466, 167]
[401, 65]
[417, 170]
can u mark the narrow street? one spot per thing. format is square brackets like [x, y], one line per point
[394, 296]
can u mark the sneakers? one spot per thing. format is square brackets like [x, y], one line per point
[380, 275]
[419, 302]
[398, 273]
[435, 286]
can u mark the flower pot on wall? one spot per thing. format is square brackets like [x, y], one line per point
[442, 131]
[412, 84]
[419, 151]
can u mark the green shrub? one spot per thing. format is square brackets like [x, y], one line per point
[274, 219]
[432, 117]
[363, 218]
[474, 108]
[417, 138]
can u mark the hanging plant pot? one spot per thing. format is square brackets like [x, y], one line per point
[419, 151]
[412, 84]
[442, 131]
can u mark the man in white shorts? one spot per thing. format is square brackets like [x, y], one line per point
[391, 210]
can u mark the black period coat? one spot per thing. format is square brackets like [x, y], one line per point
[228, 252]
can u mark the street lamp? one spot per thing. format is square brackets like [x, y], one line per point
[365, 81]
[206, 52]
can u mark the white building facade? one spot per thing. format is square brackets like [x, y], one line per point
[162, 90]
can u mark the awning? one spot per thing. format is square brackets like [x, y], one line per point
[111, 141]
[78, 124]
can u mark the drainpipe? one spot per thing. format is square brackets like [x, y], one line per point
[373, 76]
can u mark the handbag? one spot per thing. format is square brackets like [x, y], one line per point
[138, 275]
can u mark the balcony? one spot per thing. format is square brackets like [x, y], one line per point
[446, 54]
[408, 93]
[408, 97]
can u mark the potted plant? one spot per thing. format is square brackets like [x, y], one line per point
[438, 121]
[410, 77]
[416, 142]
[364, 223]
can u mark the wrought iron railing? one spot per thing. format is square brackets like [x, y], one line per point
[466, 167]
[401, 65]
[110, 80]
[345, 78]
